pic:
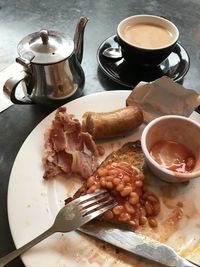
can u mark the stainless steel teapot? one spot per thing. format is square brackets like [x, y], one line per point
[52, 72]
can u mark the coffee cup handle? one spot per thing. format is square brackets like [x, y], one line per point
[11, 84]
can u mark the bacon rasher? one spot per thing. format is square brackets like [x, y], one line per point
[67, 148]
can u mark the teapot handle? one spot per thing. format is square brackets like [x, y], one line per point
[11, 84]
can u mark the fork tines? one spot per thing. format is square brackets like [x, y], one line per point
[96, 203]
[97, 194]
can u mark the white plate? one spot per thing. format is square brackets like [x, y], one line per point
[33, 203]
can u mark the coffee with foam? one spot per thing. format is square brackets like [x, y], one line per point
[148, 35]
[146, 40]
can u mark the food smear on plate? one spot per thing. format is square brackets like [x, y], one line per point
[173, 156]
[114, 123]
[67, 148]
[121, 174]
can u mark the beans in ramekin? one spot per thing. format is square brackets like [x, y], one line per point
[136, 206]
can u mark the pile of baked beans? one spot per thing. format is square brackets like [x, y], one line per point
[136, 205]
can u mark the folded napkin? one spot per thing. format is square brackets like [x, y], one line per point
[4, 101]
[4, 76]
[163, 97]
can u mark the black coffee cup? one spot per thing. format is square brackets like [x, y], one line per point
[146, 40]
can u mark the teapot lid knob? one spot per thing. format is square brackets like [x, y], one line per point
[46, 47]
[44, 34]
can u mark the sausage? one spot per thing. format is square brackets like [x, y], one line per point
[111, 124]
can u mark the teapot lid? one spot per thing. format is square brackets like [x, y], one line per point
[45, 47]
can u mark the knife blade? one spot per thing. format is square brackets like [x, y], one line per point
[135, 243]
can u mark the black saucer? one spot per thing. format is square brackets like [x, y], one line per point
[175, 66]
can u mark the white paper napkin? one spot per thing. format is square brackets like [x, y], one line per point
[4, 102]
[4, 75]
[163, 97]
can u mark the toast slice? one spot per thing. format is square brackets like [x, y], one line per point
[130, 152]
[121, 173]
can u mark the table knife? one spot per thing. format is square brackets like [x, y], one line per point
[136, 243]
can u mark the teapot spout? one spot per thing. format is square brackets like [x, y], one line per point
[78, 38]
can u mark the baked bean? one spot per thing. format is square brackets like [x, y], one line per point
[156, 208]
[109, 214]
[142, 220]
[134, 223]
[109, 178]
[143, 211]
[148, 208]
[97, 190]
[98, 183]
[129, 208]
[134, 194]
[126, 178]
[140, 177]
[149, 195]
[129, 184]
[116, 181]
[120, 187]
[126, 191]
[190, 163]
[152, 222]
[103, 182]
[118, 210]
[138, 183]
[124, 217]
[138, 205]
[113, 172]
[152, 198]
[90, 181]
[102, 171]
[109, 185]
[134, 198]
[92, 189]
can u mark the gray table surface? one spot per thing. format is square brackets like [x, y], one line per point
[21, 17]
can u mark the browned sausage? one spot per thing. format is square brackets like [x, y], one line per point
[115, 123]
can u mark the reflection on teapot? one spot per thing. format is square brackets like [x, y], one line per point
[52, 71]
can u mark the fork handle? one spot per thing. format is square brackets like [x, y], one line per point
[12, 255]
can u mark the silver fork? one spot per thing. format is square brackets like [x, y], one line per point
[72, 216]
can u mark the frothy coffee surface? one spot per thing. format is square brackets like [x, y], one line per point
[148, 35]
